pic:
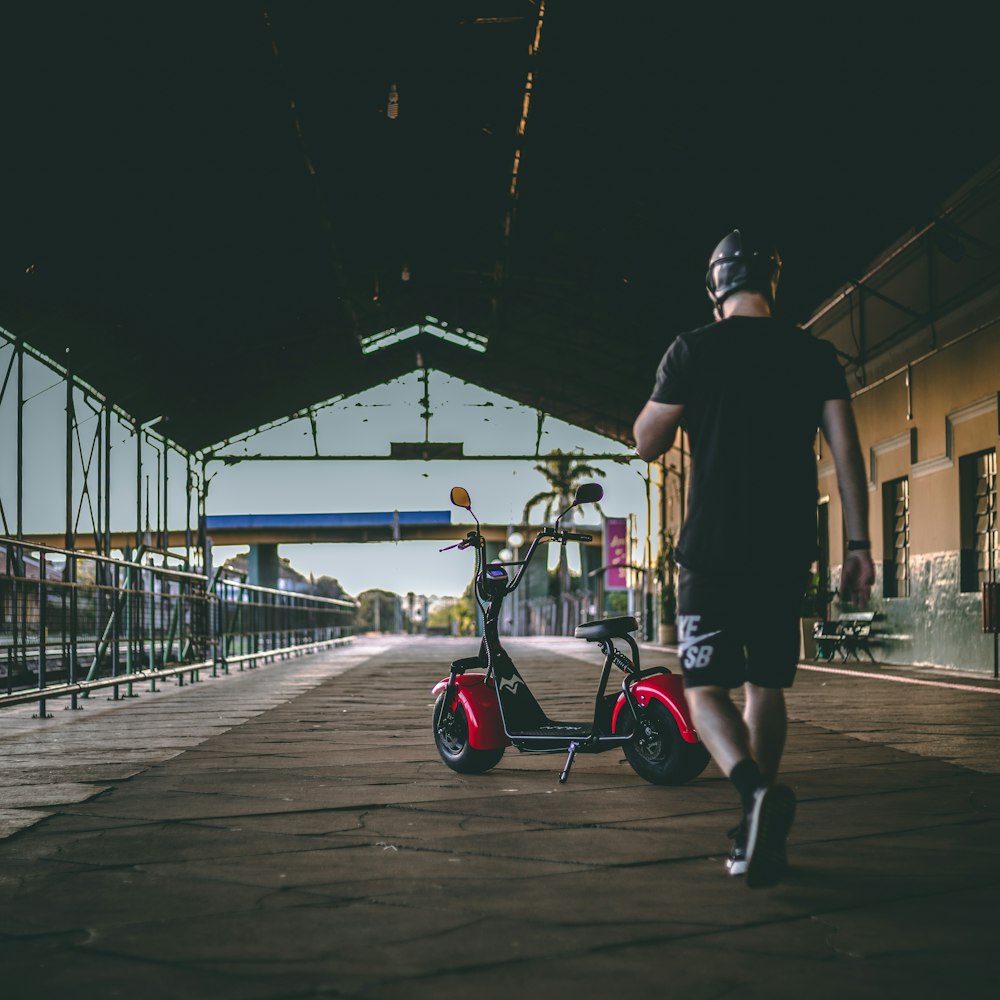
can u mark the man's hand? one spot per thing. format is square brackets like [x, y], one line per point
[857, 577]
[841, 433]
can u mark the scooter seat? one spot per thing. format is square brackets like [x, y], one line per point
[606, 628]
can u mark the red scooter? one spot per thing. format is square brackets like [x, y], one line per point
[485, 706]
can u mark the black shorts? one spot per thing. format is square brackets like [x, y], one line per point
[731, 630]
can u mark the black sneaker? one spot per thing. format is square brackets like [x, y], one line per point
[736, 863]
[767, 830]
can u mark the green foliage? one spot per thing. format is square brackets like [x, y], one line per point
[616, 603]
[387, 610]
[815, 599]
[668, 606]
[665, 582]
[462, 610]
[328, 586]
[564, 474]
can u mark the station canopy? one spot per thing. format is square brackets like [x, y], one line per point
[224, 212]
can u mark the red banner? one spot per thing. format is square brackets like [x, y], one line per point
[615, 553]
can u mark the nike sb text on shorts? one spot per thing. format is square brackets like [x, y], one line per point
[729, 633]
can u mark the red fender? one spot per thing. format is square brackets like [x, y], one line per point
[479, 700]
[669, 689]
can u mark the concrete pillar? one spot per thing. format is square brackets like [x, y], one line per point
[263, 566]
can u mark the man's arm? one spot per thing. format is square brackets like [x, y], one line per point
[655, 428]
[841, 434]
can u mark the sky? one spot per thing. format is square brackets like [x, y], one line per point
[484, 422]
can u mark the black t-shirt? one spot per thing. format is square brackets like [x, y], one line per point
[753, 390]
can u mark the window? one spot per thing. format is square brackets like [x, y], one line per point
[978, 512]
[896, 538]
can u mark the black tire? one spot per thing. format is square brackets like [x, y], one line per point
[453, 745]
[664, 758]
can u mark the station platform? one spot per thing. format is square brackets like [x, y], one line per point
[290, 832]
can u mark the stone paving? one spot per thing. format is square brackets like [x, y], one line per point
[291, 832]
[67, 757]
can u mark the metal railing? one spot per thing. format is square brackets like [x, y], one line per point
[72, 622]
[253, 622]
[541, 615]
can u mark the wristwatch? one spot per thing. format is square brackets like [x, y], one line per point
[858, 544]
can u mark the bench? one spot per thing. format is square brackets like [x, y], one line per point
[847, 635]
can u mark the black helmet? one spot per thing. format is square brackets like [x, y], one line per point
[736, 266]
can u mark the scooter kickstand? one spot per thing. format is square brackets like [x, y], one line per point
[573, 747]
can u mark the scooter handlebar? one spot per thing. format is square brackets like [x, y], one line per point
[563, 536]
[472, 538]
[546, 533]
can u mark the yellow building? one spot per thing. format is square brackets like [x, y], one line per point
[919, 336]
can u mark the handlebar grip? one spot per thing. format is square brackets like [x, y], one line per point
[578, 536]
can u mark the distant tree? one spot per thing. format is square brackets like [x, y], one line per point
[461, 610]
[386, 601]
[564, 473]
[329, 586]
[238, 565]
[286, 571]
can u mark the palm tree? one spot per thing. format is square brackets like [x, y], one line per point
[563, 473]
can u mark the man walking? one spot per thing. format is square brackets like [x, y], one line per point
[751, 391]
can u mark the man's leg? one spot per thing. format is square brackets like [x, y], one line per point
[719, 726]
[771, 814]
[772, 657]
[759, 734]
[739, 746]
[713, 655]
[725, 734]
[767, 724]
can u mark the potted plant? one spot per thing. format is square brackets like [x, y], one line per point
[667, 590]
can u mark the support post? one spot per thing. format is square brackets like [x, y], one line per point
[663, 503]
[43, 628]
[138, 483]
[107, 480]
[187, 516]
[69, 572]
[20, 443]
[264, 566]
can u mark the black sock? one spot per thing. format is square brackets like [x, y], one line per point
[747, 778]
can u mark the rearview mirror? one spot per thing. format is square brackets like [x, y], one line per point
[460, 497]
[588, 493]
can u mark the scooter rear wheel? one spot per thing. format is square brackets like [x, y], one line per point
[664, 758]
[452, 741]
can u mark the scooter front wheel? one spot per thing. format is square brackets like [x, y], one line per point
[661, 755]
[452, 739]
